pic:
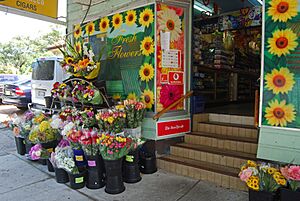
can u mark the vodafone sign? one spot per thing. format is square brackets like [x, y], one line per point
[176, 77]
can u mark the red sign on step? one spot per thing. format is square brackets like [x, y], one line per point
[173, 127]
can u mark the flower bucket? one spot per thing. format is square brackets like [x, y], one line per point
[43, 161]
[61, 176]
[261, 196]
[134, 132]
[28, 146]
[20, 144]
[114, 180]
[77, 181]
[79, 157]
[95, 174]
[148, 163]
[94, 73]
[131, 169]
[48, 101]
[50, 146]
[289, 195]
[50, 166]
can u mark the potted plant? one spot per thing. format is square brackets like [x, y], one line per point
[113, 148]
[87, 118]
[292, 175]
[111, 121]
[95, 166]
[73, 137]
[263, 181]
[37, 152]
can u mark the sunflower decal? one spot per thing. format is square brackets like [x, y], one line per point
[283, 10]
[148, 98]
[117, 21]
[169, 21]
[282, 42]
[90, 28]
[147, 46]
[77, 31]
[146, 17]
[78, 47]
[130, 17]
[280, 113]
[132, 96]
[104, 24]
[146, 72]
[280, 81]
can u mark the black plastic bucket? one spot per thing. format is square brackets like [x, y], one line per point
[50, 146]
[28, 146]
[148, 164]
[114, 180]
[48, 101]
[20, 144]
[50, 166]
[95, 175]
[43, 161]
[131, 169]
[61, 176]
[77, 181]
[262, 196]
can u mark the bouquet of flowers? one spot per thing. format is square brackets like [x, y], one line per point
[61, 91]
[90, 142]
[73, 137]
[39, 117]
[80, 60]
[63, 158]
[86, 93]
[87, 118]
[113, 147]
[69, 114]
[292, 175]
[38, 152]
[134, 113]
[43, 133]
[261, 177]
[111, 121]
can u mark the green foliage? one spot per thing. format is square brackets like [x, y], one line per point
[17, 55]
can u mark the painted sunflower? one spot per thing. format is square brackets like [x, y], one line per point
[90, 28]
[280, 81]
[280, 113]
[169, 21]
[146, 17]
[282, 42]
[283, 10]
[132, 96]
[130, 17]
[77, 31]
[146, 72]
[117, 20]
[104, 24]
[147, 46]
[78, 47]
[148, 98]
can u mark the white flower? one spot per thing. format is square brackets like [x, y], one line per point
[169, 21]
[37, 153]
[254, 170]
[85, 50]
[56, 122]
[67, 128]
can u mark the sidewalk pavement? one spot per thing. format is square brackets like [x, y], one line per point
[21, 179]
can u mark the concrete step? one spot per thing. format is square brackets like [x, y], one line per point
[226, 177]
[227, 129]
[213, 155]
[228, 142]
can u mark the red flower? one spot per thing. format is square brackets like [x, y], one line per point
[169, 94]
[56, 85]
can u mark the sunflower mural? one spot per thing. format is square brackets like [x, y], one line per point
[281, 105]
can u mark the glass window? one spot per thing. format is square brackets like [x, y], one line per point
[43, 70]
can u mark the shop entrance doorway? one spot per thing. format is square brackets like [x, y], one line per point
[226, 56]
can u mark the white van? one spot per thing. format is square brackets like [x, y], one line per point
[45, 72]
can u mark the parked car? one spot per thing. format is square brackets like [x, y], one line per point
[18, 93]
[6, 79]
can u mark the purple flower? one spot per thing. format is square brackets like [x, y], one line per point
[29, 115]
[63, 143]
[90, 114]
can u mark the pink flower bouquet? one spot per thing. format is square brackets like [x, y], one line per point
[292, 175]
[38, 152]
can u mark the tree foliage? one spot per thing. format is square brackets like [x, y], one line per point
[17, 55]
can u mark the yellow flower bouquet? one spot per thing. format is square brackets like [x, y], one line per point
[43, 133]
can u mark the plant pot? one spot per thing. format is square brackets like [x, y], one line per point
[20, 144]
[50, 166]
[50, 146]
[43, 161]
[261, 196]
[131, 169]
[148, 164]
[114, 180]
[48, 101]
[79, 157]
[95, 174]
[28, 146]
[61, 176]
[289, 195]
[77, 181]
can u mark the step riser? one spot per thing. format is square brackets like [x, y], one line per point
[227, 130]
[221, 143]
[208, 157]
[234, 119]
[200, 174]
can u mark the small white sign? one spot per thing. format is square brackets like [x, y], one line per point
[170, 58]
[165, 40]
